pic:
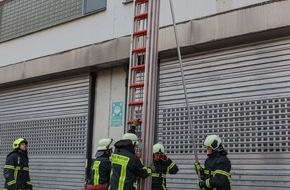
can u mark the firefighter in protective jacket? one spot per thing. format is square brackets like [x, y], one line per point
[215, 174]
[101, 169]
[160, 167]
[126, 166]
[16, 170]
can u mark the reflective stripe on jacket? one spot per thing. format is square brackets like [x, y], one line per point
[126, 166]
[159, 175]
[217, 172]
[101, 170]
[16, 171]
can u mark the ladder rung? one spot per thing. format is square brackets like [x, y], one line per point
[141, 1]
[138, 103]
[140, 33]
[137, 85]
[138, 67]
[131, 121]
[141, 16]
[139, 50]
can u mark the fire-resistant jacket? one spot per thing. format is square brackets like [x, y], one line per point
[217, 172]
[16, 171]
[101, 171]
[126, 166]
[162, 167]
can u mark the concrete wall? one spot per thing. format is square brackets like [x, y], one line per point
[239, 26]
[114, 22]
[110, 88]
[226, 5]
[231, 26]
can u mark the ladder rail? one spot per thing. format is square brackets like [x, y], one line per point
[129, 111]
[137, 67]
[151, 90]
[145, 58]
[142, 86]
[147, 67]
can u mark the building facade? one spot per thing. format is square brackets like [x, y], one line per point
[63, 78]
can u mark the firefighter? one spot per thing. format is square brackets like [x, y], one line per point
[16, 170]
[160, 167]
[100, 174]
[215, 174]
[126, 166]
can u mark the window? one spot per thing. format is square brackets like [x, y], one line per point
[92, 6]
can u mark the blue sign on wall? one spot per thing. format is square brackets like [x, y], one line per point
[117, 114]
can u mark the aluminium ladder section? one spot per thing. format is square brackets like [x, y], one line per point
[137, 65]
[141, 102]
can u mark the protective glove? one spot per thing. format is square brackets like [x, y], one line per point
[198, 167]
[163, 157]
[201, 185]
[136, 122]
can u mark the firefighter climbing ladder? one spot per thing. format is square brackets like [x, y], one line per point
[143, 77]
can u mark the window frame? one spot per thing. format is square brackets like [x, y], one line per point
[85, 12]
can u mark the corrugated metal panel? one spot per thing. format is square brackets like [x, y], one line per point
[23, 17]
[53, 116]
[242, 94]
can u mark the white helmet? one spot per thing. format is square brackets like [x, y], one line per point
[213, 141]
[158, 149]
[105, 144]
[132, 137]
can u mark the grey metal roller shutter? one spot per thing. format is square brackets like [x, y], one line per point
[242, 94]
[52, 116]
